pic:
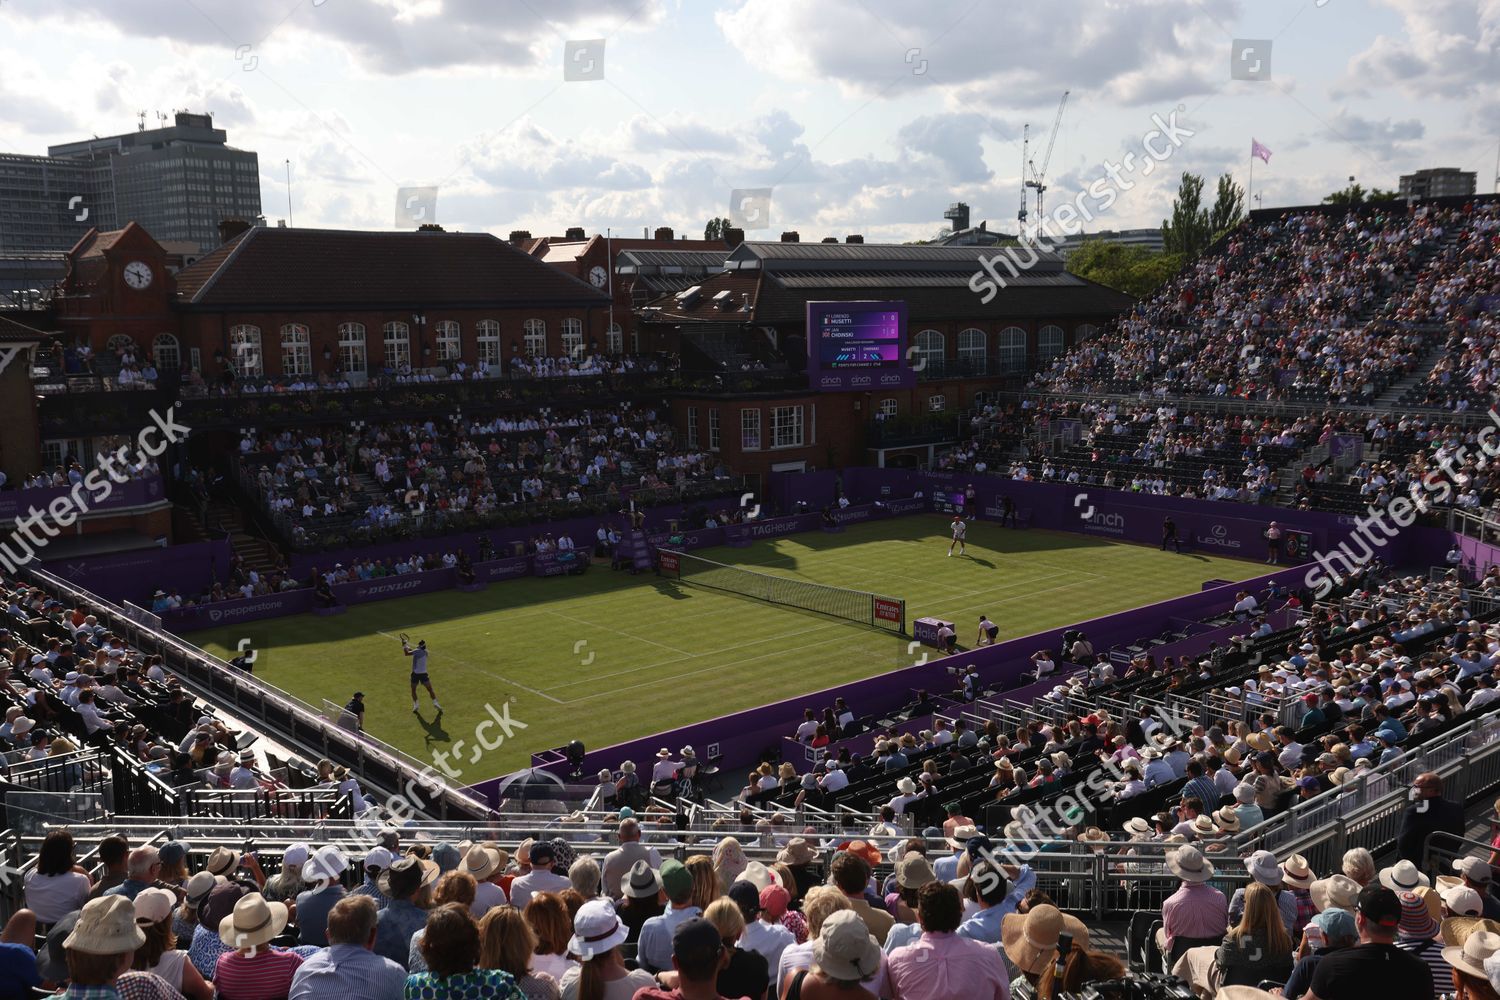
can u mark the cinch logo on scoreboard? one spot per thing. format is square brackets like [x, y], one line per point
[887, 610]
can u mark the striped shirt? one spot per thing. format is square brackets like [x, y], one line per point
[1430, 951]
[265, 976]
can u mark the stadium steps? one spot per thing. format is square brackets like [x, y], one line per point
[256, 553]
[1397, 391]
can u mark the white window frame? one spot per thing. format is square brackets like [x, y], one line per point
[973, 346]
[572, 337]
[296, 349]
[937, 403]
[165, 344]
[354, 356]
[614, 340]
[245, 351]
[487, 337]
[450, 341]
[1011, 339]
[889, 407]
[1051, 340]
[750, 439]
[692, 426]
[788, 427]
[534, 337]
[713, 429]
[929, 349]
[396, 337]
[1083, 331]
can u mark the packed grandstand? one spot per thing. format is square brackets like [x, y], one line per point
[1263, 795]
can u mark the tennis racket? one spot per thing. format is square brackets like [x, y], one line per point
[405, 639]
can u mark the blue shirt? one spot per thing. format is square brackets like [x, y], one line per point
[312, 914]
[654, 948]
[348, 972]
[130, 888]
[984, 926]
[395, 926]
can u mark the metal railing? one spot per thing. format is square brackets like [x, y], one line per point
[1366, 811]
[274, 711]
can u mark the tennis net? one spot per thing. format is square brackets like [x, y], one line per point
[859, 606]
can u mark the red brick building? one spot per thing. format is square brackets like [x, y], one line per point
[755, 311]
[298, 303]
[591, 259]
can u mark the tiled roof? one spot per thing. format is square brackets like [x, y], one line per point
[781, 278]
[268, 268]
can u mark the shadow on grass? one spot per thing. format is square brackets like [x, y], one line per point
[433, 731]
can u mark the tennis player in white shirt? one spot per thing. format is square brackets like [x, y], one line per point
[959, 530]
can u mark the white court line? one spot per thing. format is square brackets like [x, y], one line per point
[491, 673]
[691, 673]
[627, 635]
[732, 663]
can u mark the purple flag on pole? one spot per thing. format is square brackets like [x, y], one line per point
[1257, 150]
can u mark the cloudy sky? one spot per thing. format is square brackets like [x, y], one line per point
[866, 116]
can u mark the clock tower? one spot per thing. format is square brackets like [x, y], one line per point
[118, 283]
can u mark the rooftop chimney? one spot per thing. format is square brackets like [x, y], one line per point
[575, 234]
[665, 234]
[791, 236]
[733, 237]
[854, 238]
[519, 236]
[430, 227]
[230, 228]
[830, 239]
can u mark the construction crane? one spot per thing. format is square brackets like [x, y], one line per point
[1021, 215]
[1038, 178]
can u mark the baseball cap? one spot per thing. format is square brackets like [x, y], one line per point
[675, 879]
[696, 941]
[1380, 906]
[378, 857]
[745, 896]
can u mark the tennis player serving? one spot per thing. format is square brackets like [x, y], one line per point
[419, 671]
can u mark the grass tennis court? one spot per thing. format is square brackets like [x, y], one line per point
[607, 656]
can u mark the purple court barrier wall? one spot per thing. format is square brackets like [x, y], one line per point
[135, 575]
[136, 493]
[816, 489]
[745, 737]
[1231, 529]
[503, 539]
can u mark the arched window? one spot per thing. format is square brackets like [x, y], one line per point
[1012, 351]
[397, 345]
[449, 341]
[296, 350]
[614, 340]
[929, 350]
[535, 337]
[972, 350]
[120, 342]
[352, 358]
[1049, 342]
[166, 352]
[488, 338]
[1083, 332]
[244, 351]
[572, 338]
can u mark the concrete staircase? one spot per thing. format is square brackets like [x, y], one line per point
[256, 552]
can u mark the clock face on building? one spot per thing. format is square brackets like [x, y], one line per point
[138, 274]
[598, 276]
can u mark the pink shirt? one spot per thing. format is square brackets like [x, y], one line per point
[943, 966]
[1195, 910]
[266, 976]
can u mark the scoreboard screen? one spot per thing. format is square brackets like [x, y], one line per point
[858, 346]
